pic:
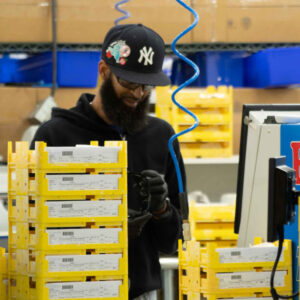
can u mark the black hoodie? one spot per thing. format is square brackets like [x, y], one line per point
[147, 149]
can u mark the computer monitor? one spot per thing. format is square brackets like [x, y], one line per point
[260, 141]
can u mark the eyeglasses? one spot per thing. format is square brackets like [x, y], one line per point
[133, 86]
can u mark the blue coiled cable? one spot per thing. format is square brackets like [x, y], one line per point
[189, 81]
[126, 13]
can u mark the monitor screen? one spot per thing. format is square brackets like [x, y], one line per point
[255, 150]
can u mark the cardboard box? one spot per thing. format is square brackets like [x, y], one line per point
[262, 21]
[25, 21]
[87, 21]
[167, 17]
[80, 21]
[16, 104]
[247, 21]
[84, 21]
[206, 30]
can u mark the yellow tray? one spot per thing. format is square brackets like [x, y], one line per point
[18, 208]
[211, 212]
[233, 283]
[109, 211]
[205, 117]
[164, 112]
[35, 288]
[57, 236]
[65, 210]
[195, 97]
[3, 274]
[189, 255]
[186, 295]
[220, 243]
[38, 159]
[213, 134]
[39, 185]
[208, 149]
[201, 273]
[234, 259]
[210, 258]
[68, 263]
[213, 231]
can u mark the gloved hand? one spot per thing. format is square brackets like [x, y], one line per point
[158, 190]
[136, 222]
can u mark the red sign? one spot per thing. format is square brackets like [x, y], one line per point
[296, 159]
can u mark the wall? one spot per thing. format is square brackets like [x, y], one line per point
[16, 104]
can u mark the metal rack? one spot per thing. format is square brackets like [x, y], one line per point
[186, 48]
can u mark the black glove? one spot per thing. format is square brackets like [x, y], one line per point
[136, 222]
[158, 190]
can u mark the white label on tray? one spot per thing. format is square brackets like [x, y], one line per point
[95, 262]
[99, 208]
[253, 254]
[249, 298]
[83, 182]
[249, 279]
[83, 236]
[87, 154]
[89, 289]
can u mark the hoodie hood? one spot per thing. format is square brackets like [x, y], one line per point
[83, 115]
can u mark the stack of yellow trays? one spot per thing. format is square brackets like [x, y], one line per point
[68, 222]
[212, 223]
[214, 109]
[3, 274]
[232, 273]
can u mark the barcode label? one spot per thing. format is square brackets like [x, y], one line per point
[67, 205]
[67, 179]
[236, 277]
[68, 259]
[67, 153]
[67, 287]
[235, 253]
[68, 233]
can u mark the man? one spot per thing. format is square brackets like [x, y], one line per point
[132, 58]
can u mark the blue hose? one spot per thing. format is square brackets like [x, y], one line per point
[189, 81]
[126, 13]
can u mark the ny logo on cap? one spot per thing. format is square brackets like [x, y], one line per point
[147, 55]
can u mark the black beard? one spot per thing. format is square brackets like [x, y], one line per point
[129, 119]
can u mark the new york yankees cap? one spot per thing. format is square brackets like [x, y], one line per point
[135, 53]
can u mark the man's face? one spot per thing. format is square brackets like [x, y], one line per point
[124, 107]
